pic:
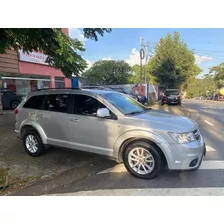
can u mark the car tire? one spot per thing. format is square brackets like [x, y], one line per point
[14, 104]
[143, 169]
[33, 143]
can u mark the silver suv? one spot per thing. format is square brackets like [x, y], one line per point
[111, 124]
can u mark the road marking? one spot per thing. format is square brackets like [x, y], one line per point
[212, 165]
[209, 191]
[210, 149]
[208, 122]
[116, 169]
[206, 165]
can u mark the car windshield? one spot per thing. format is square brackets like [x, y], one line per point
[172, 92]
[124, 104]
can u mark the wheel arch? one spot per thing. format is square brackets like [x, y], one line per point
[35, 127]
[129, 141]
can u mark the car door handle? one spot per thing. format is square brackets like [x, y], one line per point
[74, 120]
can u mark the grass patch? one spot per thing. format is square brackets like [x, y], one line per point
[7, 184]
[4, 177]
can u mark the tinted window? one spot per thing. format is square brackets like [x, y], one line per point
[86, 105]
[57, 103]
[171, 92]
[34, 102]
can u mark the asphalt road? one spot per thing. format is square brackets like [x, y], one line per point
[208, 180]
[210, 117]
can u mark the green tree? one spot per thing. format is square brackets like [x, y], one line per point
[62, 51]
[108, 72]
[135, 78]
[173, 64]
[201, 87]
[218, 73]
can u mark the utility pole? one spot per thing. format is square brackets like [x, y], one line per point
[146, 59]
[144, 52]
[141, 57]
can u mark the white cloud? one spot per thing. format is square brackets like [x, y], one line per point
[106, 59]
[89, 64]
[134, 57]
[76, 33]
[201, 59]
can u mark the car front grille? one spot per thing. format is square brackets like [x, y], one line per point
[197, 134]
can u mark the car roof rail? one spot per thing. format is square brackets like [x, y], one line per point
[75, 88]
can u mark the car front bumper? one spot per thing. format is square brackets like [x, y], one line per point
[186, 156]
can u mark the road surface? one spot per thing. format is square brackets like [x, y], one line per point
[208, 180]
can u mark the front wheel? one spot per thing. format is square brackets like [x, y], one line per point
[142, 160]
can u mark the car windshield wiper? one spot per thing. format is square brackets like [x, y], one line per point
[138, 112]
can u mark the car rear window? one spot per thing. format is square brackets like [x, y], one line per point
[34, 102]
[171, 92]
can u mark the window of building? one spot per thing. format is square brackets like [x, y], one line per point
[34, 102]
[57, 103]
[59, 82]
[87, 105]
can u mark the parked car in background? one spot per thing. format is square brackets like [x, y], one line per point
[139, 98]
[171, 96]
[10, 100]
[209, 97]
[111, 124]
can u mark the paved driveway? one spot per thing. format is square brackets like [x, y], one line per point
[18, 168]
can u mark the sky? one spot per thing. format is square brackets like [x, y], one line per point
[124, 44]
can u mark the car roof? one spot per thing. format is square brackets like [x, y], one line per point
[70, 91]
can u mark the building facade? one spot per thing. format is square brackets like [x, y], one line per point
[24, 73]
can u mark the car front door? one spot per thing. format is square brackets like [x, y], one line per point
[53, 118]
[89, 132]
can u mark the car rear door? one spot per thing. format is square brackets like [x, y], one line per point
[53, 119]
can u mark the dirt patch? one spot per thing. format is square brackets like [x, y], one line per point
[18, 169]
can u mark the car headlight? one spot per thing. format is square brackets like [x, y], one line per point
[183, 137]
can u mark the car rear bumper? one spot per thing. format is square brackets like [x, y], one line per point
[187, 156]
[171, 101]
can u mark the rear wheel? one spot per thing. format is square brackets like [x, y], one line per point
[33, 143]
[142, 160]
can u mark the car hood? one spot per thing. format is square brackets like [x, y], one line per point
[166, 121]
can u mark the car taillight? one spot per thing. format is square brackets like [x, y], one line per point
[164, 96]
[178, 96]
[16, 111]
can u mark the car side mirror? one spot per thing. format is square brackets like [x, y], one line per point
[103, 112]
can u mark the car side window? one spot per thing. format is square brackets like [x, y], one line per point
[57, 103]
[34, 102]
[87, 105]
